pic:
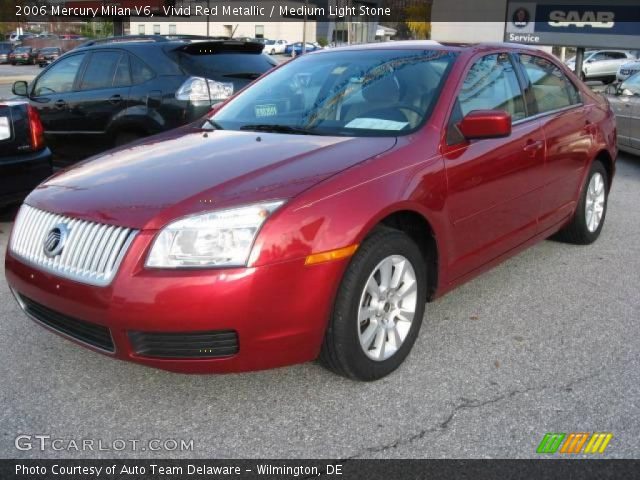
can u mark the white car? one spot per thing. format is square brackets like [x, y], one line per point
[271, 47]
[601, 64]
[627, 69]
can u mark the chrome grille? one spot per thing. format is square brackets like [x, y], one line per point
[91, 254]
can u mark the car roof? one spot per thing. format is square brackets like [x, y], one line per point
[433, 45]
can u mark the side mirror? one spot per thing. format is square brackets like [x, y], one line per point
[20, 88]
[486, 124]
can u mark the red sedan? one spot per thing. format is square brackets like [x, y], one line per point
[315, 213]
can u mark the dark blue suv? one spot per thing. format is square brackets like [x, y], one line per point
[110, 92]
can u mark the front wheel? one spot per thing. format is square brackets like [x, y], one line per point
[588, 219]
[378, 310]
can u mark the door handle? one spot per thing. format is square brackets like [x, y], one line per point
[115, 99]
[532, 147]
[60, 104]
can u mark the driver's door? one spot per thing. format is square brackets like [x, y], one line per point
[494, 184]
[625, 103]
[52, 92]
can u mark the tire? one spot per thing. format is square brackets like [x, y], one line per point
[583, 77]
[342, 350]
[583, 230]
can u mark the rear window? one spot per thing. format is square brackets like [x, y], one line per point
[49, 50]
[224, 64]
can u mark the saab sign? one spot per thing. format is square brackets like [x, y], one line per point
[573, 23]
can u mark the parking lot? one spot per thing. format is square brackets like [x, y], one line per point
[547, 342]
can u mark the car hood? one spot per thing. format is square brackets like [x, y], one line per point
[156, 180]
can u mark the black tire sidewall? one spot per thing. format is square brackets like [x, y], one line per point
[379, 246]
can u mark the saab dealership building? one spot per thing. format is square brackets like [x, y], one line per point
[577, 23]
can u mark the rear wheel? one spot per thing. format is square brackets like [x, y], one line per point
[588, 219]
[378, 309]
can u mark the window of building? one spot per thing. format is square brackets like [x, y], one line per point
[259, 31]
[156, 29]
[172, 30]
[141, 29]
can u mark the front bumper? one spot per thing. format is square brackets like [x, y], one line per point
[279, 311]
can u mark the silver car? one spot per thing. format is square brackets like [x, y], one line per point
[628, 69]
[625, 101]
[601, 64]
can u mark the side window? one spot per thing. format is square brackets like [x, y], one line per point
[60, 77]
[122, 77]
[615, 55]
[100, 71]
[550, 87]
[140, 73]
[492, 84]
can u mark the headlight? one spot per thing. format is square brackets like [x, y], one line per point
[214, 239]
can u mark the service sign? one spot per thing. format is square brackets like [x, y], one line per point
[571, 23]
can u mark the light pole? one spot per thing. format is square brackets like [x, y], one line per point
[304, 28]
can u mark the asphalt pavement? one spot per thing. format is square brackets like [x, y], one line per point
[547, 342]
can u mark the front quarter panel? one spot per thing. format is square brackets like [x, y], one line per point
[342, 210]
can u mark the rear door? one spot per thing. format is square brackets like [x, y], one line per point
[494, 184]
[102, 94]
[568, 134]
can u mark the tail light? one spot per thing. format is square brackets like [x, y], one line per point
[198, 89]
[37, 130]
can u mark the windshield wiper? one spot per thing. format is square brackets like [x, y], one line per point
[278, 129]
[214, 125]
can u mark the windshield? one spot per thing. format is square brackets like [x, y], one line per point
[23, 49]
[351, 93]
[49, 50]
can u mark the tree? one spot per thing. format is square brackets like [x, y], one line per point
[418, 17]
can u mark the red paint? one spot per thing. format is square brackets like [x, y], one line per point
[486, 124]
[484, 199]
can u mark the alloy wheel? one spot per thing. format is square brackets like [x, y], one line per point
[595, 199]
[387, 307]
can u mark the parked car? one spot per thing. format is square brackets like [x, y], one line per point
[108, 93]
[296, 48]
[316, 212]
[23, 56]
[273, 47]
[601, 64]
[627, 69]
[25, 161]
[48, 55]
[5, 49]
[625, 101]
